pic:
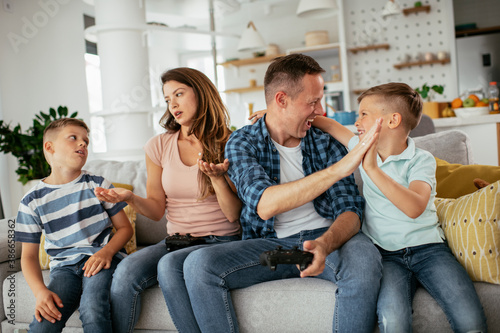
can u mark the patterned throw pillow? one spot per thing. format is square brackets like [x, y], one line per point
[472, 227]
[130, 247]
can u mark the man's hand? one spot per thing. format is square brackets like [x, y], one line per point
[45, 307]
[101, 259]
[317, 266]
[113, 195]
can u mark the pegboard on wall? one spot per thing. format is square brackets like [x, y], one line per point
[408, 37]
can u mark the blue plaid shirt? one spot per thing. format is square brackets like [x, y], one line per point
[254, 165]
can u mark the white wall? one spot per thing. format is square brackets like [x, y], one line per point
[42, 65]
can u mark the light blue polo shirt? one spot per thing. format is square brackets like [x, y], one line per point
[386, 225]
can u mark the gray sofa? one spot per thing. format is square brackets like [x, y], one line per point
[294, 305]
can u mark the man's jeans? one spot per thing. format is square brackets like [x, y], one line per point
[437, 270]
[88, 294]
[211, 272]
[136, 273]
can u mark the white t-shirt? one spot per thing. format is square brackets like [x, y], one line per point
[301, 218]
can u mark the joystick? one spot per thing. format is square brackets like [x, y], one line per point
[284, 256]
[178, 241]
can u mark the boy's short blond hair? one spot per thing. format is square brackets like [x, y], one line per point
[403, 99]
[59, 124]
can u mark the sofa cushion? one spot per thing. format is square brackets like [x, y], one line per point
[471, 225]
[452, 146]
[456, 180]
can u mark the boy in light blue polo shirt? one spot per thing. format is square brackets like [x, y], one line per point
[399, 186]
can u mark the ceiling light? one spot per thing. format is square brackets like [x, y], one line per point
[317, 8]
[251, 40]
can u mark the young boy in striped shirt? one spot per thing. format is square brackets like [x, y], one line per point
[77, 228]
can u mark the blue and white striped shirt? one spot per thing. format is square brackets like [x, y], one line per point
[75, 222]
[254, 165]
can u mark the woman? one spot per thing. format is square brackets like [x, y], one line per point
[186, 166]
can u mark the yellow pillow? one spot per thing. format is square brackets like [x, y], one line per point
[130, 247]
[43, 257]
[456, 180]
[471, 224]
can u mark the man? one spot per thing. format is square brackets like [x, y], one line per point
[297, 189]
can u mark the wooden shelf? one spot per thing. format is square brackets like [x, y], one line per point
[369, 47]
[359, 91]
[408, 11]
[242, 90]
[479, 31]
[249, 61]
[420, 63]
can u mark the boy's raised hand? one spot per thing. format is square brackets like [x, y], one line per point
[113, 195]
[45, 307]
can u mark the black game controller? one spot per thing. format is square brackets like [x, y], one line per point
[178, 241]
[282, 256]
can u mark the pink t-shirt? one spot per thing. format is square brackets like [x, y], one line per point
[185, 213]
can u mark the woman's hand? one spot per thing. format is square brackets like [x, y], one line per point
[214, 170]
[257, 115]
[113, 195]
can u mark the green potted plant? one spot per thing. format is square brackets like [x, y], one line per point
[427, 93]
[28, 147]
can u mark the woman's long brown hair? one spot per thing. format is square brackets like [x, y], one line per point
[211, 122]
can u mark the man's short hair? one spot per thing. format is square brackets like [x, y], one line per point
[285, 74]
[402, 99]
[61, 123]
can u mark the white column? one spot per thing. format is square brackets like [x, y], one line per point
[122, 47]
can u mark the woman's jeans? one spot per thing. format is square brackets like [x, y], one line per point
[208, 275]
[437, 270]
[88, 294]
[136, 273]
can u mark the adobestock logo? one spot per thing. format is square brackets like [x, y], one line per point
[31, 27]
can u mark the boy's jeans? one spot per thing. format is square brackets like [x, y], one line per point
[437, 270]
[89, 294]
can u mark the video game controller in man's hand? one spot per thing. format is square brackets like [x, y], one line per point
[178, 241]
[292, 256]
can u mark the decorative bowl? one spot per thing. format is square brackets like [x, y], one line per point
[471, 112]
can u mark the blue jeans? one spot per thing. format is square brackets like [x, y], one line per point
[89, 294]
[210, 274]
[437, 270]
[134, 274]
[173, 286]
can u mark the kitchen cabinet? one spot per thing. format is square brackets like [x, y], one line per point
[484, 132]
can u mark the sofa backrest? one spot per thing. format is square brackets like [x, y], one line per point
[133, 173]
[452, 146]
